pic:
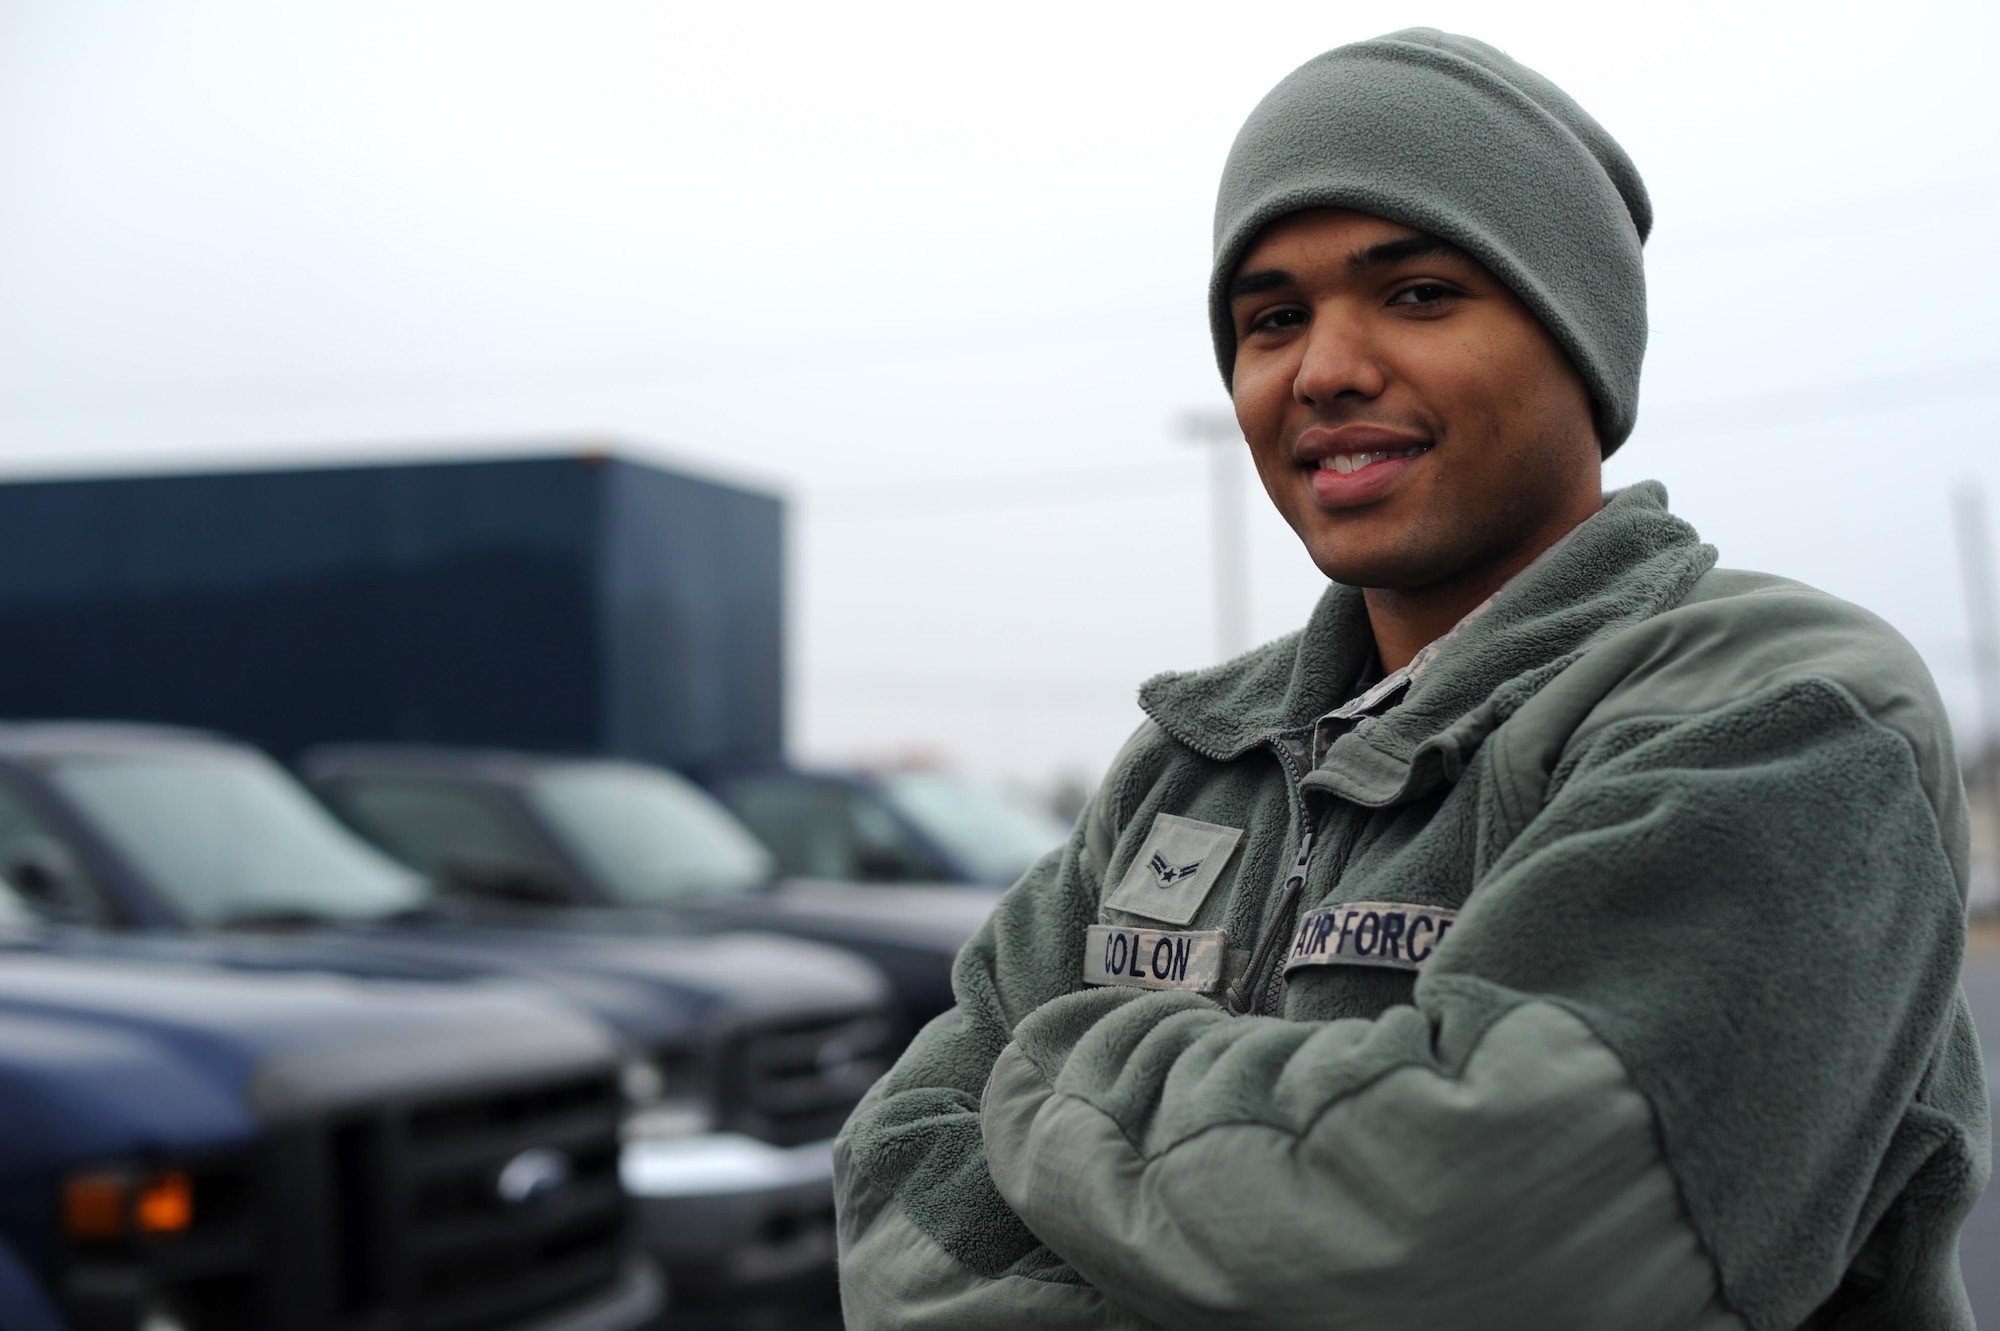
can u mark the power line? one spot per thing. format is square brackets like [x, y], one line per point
[1846, 400]
[1872, 395]
[1054, 488]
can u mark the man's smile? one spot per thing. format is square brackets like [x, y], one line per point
[1348, 463]
[1356, 464]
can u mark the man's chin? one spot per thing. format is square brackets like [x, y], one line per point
[1375, 547]
[1381, 570]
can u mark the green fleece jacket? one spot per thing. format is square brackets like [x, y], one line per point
[1618, 988]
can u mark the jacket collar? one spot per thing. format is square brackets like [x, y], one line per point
[1629, 562]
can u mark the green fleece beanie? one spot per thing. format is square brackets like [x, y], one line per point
[1448, 135]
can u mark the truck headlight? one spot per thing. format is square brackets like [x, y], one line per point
[667, 1095]
[112, 1206]
[158, 1246]
[641, 1081]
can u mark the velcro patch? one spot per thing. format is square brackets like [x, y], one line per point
[1369, 933]
[1178, 863]
[1153, 958]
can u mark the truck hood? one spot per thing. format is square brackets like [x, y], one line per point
[924, 919]
[912, 934]
[942, 917]
[650, 989]
[101, 1057]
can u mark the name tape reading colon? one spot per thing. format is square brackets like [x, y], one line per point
[1369, 933]
[1153, 958]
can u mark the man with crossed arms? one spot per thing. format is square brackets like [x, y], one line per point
[1560, 931]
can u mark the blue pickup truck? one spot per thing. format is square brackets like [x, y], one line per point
[745, 1050]
[206, 1151]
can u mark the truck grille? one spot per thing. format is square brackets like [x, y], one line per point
[474, 1212]
[796, 1081]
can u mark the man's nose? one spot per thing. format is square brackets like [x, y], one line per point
[1339, 358]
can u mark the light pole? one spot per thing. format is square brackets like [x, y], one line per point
[1228, 533]
[1975, 562]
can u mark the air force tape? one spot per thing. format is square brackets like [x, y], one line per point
[1152, 958]
[1369, 933]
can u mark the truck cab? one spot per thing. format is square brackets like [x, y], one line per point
[745, 1050]
[207, 1151]
[617, 837]
[895, 825]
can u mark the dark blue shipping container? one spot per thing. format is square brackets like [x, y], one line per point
[575, 603]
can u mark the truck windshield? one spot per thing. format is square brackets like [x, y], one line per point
[993, 833]
[229, 838]
[647, 835]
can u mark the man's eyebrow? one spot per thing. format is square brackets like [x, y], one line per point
[1257, 283]
[1413, 246]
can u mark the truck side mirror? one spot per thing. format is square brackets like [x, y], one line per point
[43, 871]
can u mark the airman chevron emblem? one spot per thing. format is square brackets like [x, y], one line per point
[1174, 869]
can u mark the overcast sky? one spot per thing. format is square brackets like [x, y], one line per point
[935, 273]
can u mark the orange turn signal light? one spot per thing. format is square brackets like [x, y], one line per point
[165, 1204]
[99, 1208]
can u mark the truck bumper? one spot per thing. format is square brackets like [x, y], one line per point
[728, 1213]
[635, 1301]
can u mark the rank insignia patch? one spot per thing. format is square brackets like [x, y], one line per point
[1176, 867]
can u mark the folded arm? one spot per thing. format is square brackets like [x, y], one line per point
[1654, 1078]
[925, 1239]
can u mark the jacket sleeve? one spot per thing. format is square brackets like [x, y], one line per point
[925, 1240]
[1657, 1076]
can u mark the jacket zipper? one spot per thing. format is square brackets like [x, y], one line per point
[1280, 927]
[1239, 996]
